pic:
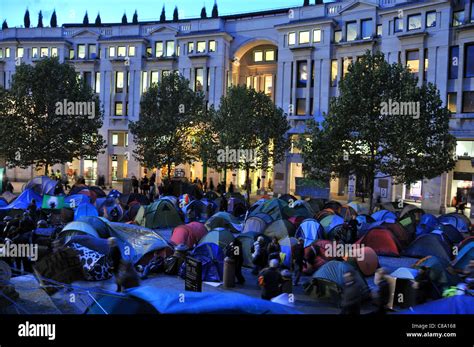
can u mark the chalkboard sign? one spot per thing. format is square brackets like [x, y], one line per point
[193, 279]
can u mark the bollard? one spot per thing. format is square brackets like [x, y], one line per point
[229, 273]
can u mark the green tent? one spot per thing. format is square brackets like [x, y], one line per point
[224, 220]
[248, 240]
[160, 214]
[280, 229]
[220, 236]
[275, 208]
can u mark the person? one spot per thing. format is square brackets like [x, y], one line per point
[259, 181]
[154, 266]
[231, 187]
[115, 257]
[235, 252]
[422, 285]
[135, 184]
[75, 176]
[274, 249]
[65, 181]
[270, 280]
[32, 208]
[352, 228]
[211, 184]
[286, 285]
[259, 255]
[298, 260]
[127, 275]
[460, 202]
[153, 179]
[383, 291]
[351, 295]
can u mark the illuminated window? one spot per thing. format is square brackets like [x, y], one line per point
[43, 52]
[159, 49]
[154, 77]
[97, 82]
[270, 55]
[199, 79]
[71, 53]
[334, 68]
[351, 31]
[190, 47]
[317, 35]
[20, 52]
[257, 56]
[303, 37]
[212, 46]
[115, 139]
[431, 19]
[111, 52]
[119, 82]
[118, 109]
[268, 87]
[131, 51]
[398, 24]
[92, 51]
[170, 48]
[300, 107]
[458, 18]
[122, 51]
[379, 30]
[292, 39]
[201, 46]
[413, 61]
[144, 81]
[414, 22]
[302, 74]
[337, 36]
[452, 102]
[345, 65]
[7, 52]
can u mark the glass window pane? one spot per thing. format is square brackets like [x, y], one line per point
[351, 31]
[292, 39]
[97, 82]
[212, 46]
[131, 51]
[414, 22]
[170, 48]
[190, 47]
[337, 36]
[257, 56]
[302, 74]
[452, 102]
[118, 109]
[44, 52]
[398, 24]
[333, 73]
[468, 102]
[430, 19]
[159, 49]
[199, 79]
[413, 61]
[366, 28]
[317, 35]
[270, 55]
[458, 18]
[119, 80]
[154, 77]
[379, 30]
[111, 51]
[201, 46]
[122, 51]
[300, 107]
[469, 61]
[20, 52]
[453, 62]
[304, 37]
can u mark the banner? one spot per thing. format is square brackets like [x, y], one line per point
[52, 202]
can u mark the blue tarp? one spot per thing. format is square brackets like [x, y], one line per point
[458, 304]
[42, 185]
[23, 200]
[427, 224]
[94, 243]
[168, 302]
[85, 209]
[3, 203]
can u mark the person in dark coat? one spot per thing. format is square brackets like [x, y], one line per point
[211, 184]
[135, 184]
[298, 260]
[259, 255]
[274, 249]
[231, 187]
[383, 291]
[259, 181]
[422, 285]
[235, 252]
[115, 257]
[352, 228]
[270, 280]
[351, 295]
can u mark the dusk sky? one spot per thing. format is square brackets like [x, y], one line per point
[72, 11]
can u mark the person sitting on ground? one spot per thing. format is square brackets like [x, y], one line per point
[259, 255]
[382, 296]
[351, 295]
[274, 249]
[270, 281]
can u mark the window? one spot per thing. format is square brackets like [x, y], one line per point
[159, 49]
[303, 37]
[346, 62]
[54, 51]
[20, 52]
[148, 52]
[81, 51]
[414, 22]
[92, 51]
[201, 46]
[199, 79]
[71, 53]
[291, 39]
[379, 30]
[431, 19]
[452, 102]
[337, 36]
[118, 108]
[170, 48]
[212, 46]
[458, 18]
[333, 73]
[97, 83]
[43, 52]
[268, 85]
[87, 78]
[7, 52]
[469, 61]
[398, 24]
[154, 77]
[119, 79]
[257, 56]
[190, 47]
[413, 61]
[317, 35]
[111, 52]
[302, 80]
[115, 139]
[256, 83]
[144, 81]
[1, 53]
[131, 51]
[351, 31]
[300, 107]
[270, 55]
[426, 64]
[122, 51]
[366, 28]
[453, 62]
[178, 51]
[468, 102]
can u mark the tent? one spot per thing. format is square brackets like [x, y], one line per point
[310, 230]
[302, 209]
[247, 239]
[324, 213]
[112, 210]
[78, 228]
[405, 273]
[43, 185]
[385, 215]
[237, 206]
[99, 193]
[254, 206]
[257, 222]
[465, 242]
[465, 255]
[412, 210]
[458, 304]
[219, 236]
[211, 257]
[382, 241]
[138, 241]
[403, 237]
[286, 246]
[316, 255]
[390, 206]
[72, 201]
[211, 195]
[197, 210]
[367, 263]
[100, 225]
[316, 204]
[288, 198]
[275, 208]
[439, 274]
[95, 264]
[160, 214]
[94, 243]
[224, 220]
[3, 202]
[127, 199]
[23, 200]
[330, 222]
[363, 220]
[85, 210]
[347, 212]
[131, 212]
[358, 207]
[427, 223]
[428, 244]
[114, 194]
[280, 229]
[450, 233]
[459, 221]
[189, 234]
[333, 205]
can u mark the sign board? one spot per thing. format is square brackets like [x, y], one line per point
[179, 172]
[193, 279]
[383, 193]
[316, 189]
[351, 187]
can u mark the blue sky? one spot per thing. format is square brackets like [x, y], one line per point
[72, 11]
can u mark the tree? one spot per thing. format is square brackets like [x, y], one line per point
[40, 19]
[26, 19]
[203, 12]
[135, 18]
[175, 14]
[163, 15]
[124, 19]
[164, 132]
[39, 130]
[4, 25]
[54, 20]
[85, 21]
[246, 122]
[98, 20]
[215, 11]
[365, 135]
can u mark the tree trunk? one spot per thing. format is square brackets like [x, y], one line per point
[169, 171]
[46, 166]
[370, 183]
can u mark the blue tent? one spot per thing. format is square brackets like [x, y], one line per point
[78, 228]
[405, 273]
[427, 223]
[286, 246]
[449, 233]
[428, 244]
[458, 304]
[196, 210]
[100, 224]
[42, 185]
[167, 301]
[94, 243]
[3, 203]
[212, 259]
[85, 209]
[465, 255]
[23, 200]
[75, 200]
[385, 215]
[330, 222]
[310, 230]
[457, 220]
[114, 194]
